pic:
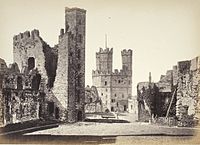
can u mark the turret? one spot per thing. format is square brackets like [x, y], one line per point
[104, 60]
[127, 60]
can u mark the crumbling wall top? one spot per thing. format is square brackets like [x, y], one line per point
[184, 66]
[195, 62]
[27, 34]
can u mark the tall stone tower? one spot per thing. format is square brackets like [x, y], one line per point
[101, 77]
[127, 61]
[69, 85]
[104, 60]
[114, 88]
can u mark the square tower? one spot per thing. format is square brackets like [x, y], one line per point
[69, 85]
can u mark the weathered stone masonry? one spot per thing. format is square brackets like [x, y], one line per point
[114, 88]
[69, 86]
[184, 82]
[62, 68]
[188, 86]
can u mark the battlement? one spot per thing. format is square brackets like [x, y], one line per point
[97, 72]
[27, 34]
[67, 9]
[117, 72]
[107, 50]
[126, 52]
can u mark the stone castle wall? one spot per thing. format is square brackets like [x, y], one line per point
[115, 88]
[62, 67]
[30, 45]
[69, 85]
[184, 82]
[188, 88]
[22, 96]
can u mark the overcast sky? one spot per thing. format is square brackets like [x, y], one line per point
[160, 32]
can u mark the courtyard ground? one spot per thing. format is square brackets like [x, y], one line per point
[108, 133]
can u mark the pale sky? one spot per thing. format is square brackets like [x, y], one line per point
[160, 32]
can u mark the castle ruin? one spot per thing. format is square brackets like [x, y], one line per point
[56, 75]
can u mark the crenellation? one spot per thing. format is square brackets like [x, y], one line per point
[61, 70]
[35, 33]
[106, 50]
[25, 36]
[115, 88]
[126, 52]
[118, 72]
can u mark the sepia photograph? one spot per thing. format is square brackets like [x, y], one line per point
[100, 72]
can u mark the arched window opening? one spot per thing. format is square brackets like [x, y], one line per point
[125, 108]
[105, 83]
[31, 63]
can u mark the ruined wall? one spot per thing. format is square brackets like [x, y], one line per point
[29, 45]
[3, 70]
[3, 66]
[188, 89]
[60, 89]
[20, 106]
[154, 101]
[62, 67]
[183, 81]
[22, 97]
[93, 102]
[143, 96]
[166, 81]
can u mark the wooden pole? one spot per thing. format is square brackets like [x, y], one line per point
[170, 103]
